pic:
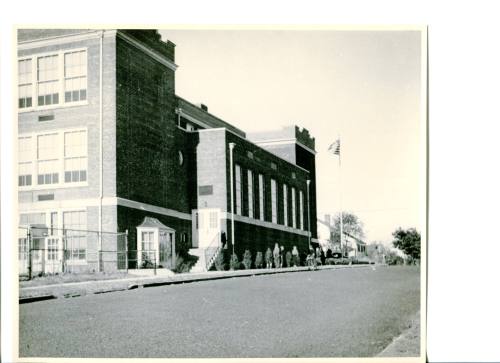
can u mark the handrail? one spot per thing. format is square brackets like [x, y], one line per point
[211, 250]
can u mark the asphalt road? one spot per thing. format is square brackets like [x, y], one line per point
[329, 313]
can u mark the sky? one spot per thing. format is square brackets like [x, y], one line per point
[364, 86]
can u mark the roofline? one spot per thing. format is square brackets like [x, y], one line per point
[210, 114]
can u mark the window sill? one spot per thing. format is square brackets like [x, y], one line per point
[52, 186]
[52, 107]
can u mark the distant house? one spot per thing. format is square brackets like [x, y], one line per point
[356, 248]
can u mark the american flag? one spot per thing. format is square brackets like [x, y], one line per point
[335, 147]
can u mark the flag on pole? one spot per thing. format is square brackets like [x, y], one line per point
[335, 147]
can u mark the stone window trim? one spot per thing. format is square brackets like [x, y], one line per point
[58, 82]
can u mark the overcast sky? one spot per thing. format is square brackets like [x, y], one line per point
[362, 85]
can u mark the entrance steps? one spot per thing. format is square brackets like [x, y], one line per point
[206, 258]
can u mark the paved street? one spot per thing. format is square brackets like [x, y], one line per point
[329, 313]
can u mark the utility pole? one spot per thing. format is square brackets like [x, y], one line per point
[231, 147]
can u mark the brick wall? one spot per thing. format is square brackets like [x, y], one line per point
[148, 140]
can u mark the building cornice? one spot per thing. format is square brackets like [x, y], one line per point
[153, 54]
[65, 38]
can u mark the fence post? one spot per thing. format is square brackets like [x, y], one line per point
[29, 253]
[126, 250]
[154, 254]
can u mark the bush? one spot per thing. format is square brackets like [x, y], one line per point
[184, 263]
[330, 261]
[288, 259]
[247, 259]
[259, 260]
[234, 264]
[220, 265]
[296, 260]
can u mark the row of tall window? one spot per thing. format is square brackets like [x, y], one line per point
[74, 243]
[42, 159]
[52, 79]
[274, 200]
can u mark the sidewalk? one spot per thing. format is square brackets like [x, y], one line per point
[74, 289]
[407, 344]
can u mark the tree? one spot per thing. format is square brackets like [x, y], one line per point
[407, 241]
[350, 224]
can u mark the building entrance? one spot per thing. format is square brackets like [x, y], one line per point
[206, 227]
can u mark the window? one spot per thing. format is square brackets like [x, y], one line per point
[59, 78]
[250, 194]
[261, 197]
[23, 248]
[52, 249]
[294, 213]
[285, 205]
[48, 80]
[274, 210]
[148, 246]
[25, 83]
[147, 240]
[75, 224]
[75, 156]
[25, 166]
[238, 189]
[75, 76]
[301, 209]
[48, 163]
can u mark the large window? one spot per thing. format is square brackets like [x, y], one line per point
[274, 208]
[54, 158]
[25, 80]
[59, 78]
[25, 157]
[48, 80]
[75, 224]
[48, 162]
[75, 76]
[238, 189]
[294, 211]
[261, 197]
[75, 156]
[301, 209]
[250, 193]
[285, 205]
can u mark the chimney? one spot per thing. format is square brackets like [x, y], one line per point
[328, 219]
[204, 107]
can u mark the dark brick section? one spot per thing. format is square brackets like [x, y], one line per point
[307, 160]
[152, 39]
[148, 140]
[261, 163]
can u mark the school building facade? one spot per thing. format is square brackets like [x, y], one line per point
[107, 147]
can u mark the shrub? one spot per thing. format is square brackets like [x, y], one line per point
[259, 260]
[247, 259]
[220, 265]
[234, 263]
[296, 260]
[184, 263]
[288, 259]
[269, 258]
[330, 261]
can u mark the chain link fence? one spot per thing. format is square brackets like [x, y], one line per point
[44, 251]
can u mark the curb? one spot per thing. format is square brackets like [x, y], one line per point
[75, 292]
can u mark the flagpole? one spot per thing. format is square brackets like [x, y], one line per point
[340, 199]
